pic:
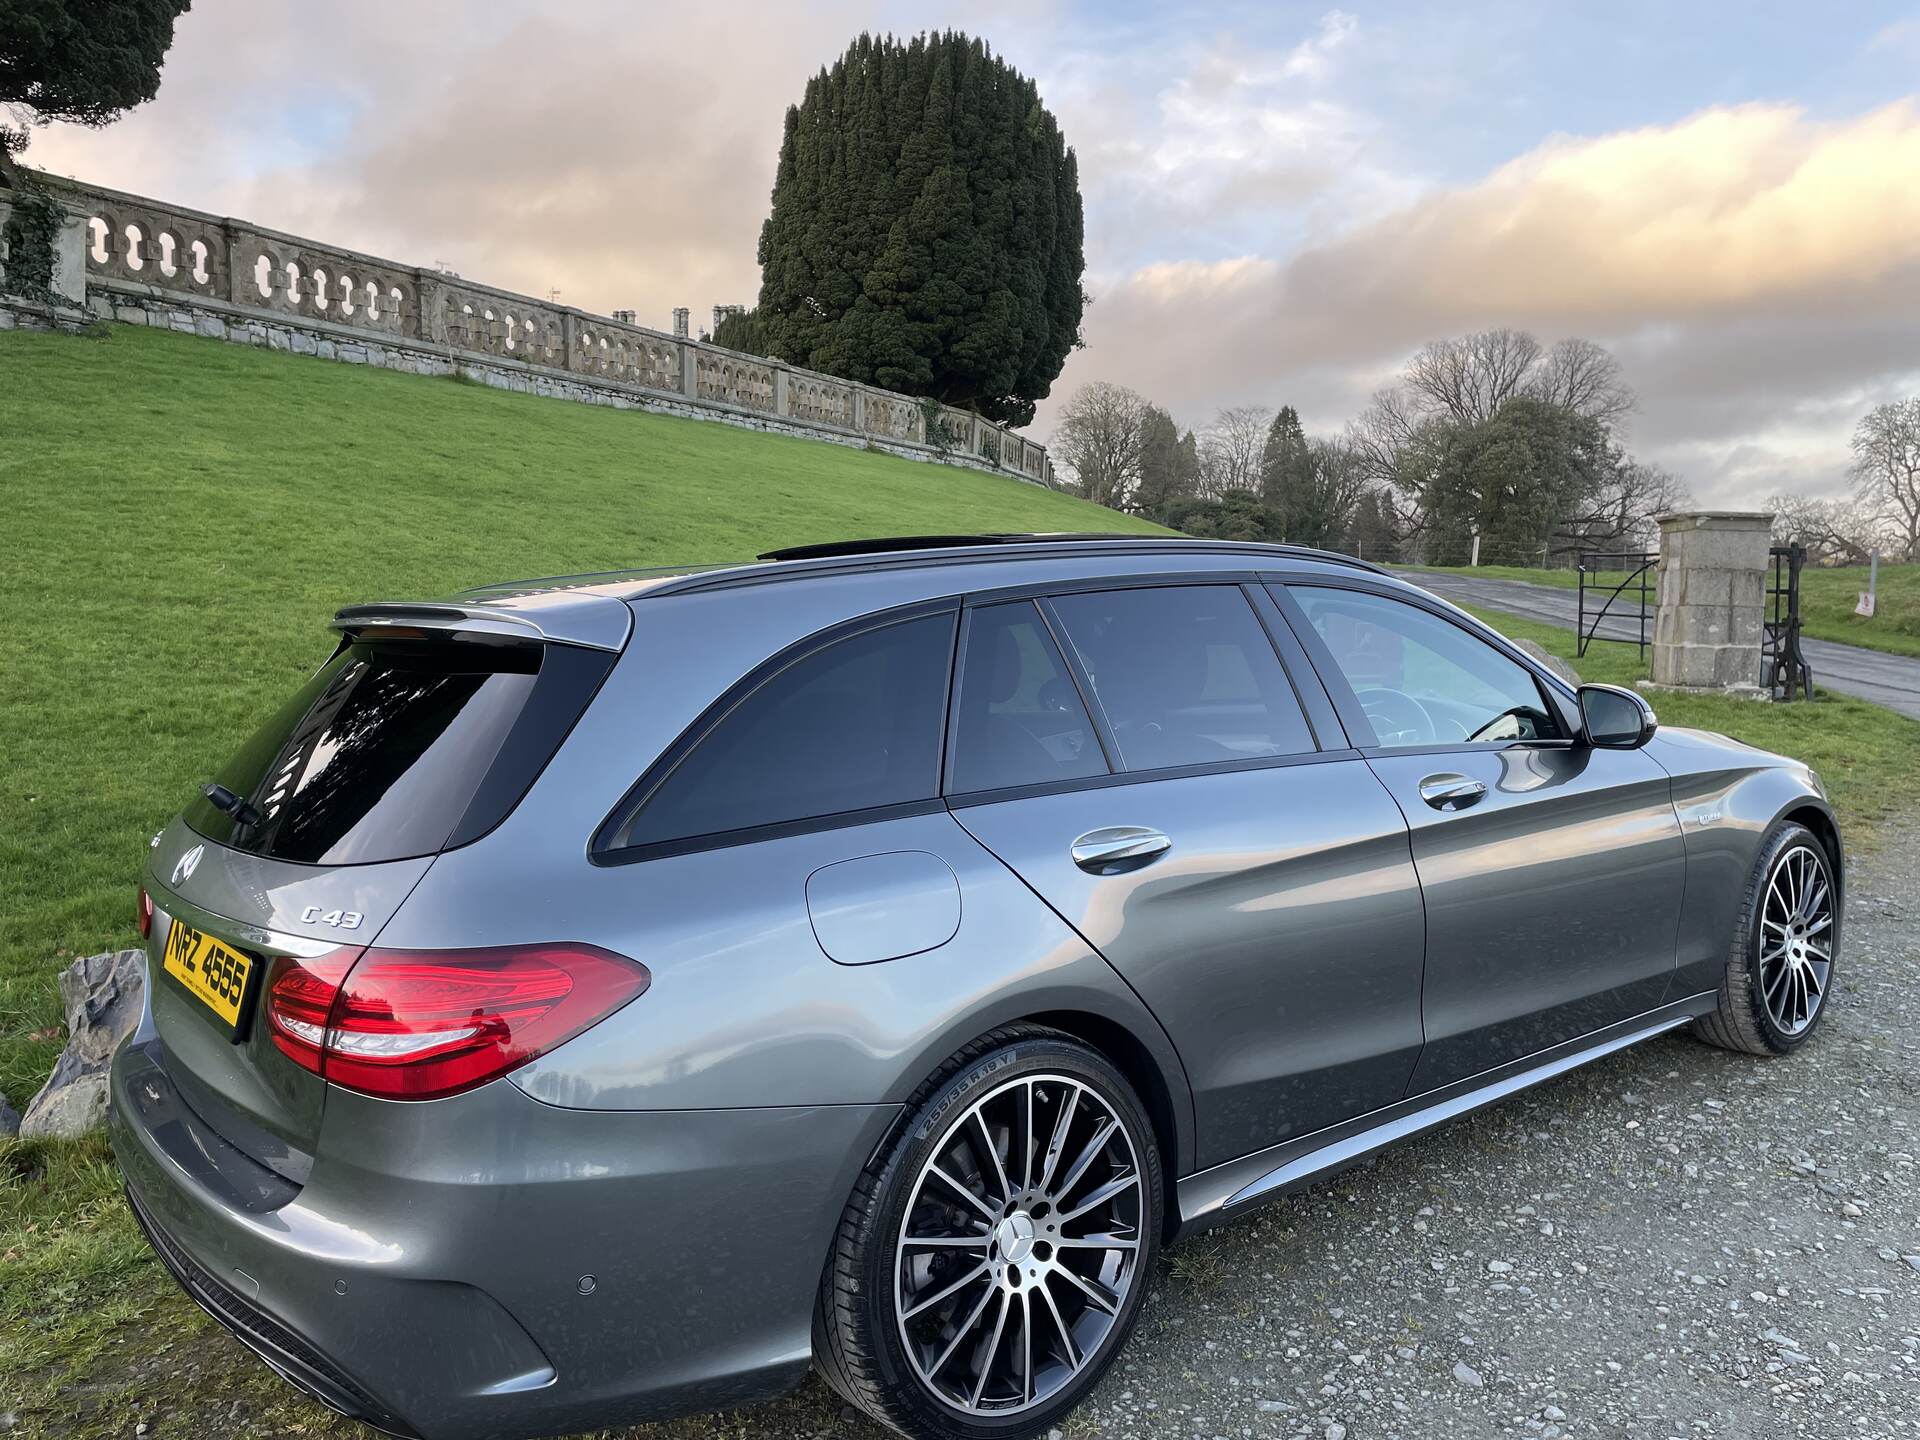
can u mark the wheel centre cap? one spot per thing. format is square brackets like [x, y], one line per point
[1013, 1237]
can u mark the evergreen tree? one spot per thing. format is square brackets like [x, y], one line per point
[1186, 465]
[926, 231]
[83, 61]
[1511, 479]
[1373, 533]
[742, 331]
[1284, 463]
[1236, 515]
[1168, 464]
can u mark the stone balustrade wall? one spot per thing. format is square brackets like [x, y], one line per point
[145, 262]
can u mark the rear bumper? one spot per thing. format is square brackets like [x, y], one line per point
[288, 1354]
[428, 1278]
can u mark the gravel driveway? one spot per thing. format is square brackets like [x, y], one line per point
[1675, 1241]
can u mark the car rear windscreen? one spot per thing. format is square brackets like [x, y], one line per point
[399, 748]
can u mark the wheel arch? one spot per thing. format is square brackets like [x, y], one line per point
[1132, 1058]
[1134, 1043]
[1819, 819]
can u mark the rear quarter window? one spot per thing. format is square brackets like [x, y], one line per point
[854, 725]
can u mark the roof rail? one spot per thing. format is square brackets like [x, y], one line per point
[896, 544]
[884, 544]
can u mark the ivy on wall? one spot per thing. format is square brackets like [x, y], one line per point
[33, 231]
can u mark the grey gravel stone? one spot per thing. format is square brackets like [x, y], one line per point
[1637, 1321]
[1467, 1375]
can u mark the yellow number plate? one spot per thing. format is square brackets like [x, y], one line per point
[215, 973]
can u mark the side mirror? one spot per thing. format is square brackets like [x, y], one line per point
[1615, 719]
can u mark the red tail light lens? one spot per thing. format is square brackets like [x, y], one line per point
[300, 998]
[145, 914]
[422, 1024]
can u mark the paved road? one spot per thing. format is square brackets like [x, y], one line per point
[1890, 680]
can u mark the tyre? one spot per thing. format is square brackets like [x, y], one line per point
[993, 1259]
[1780, 967]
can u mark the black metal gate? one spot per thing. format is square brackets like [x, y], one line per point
[1783, 669]
[1597, 597]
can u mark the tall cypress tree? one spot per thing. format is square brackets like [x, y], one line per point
[83, 61]
[926, 230]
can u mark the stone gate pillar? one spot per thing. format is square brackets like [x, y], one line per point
[1712, 607]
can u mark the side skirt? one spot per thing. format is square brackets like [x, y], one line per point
[1229, 1190]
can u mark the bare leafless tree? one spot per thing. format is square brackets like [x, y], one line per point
[1317, 507]
[1620, 512]
[1468, 377]
[1835, 532]
[1886, 469]
[1230, 450]
[1382, 431]
[1584, 378]
[1101, 439]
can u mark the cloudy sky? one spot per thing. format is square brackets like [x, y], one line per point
[1283, 201]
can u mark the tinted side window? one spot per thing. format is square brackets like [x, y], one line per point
[1185, 674]
[1020, 720]
[1423, 680]
[851, 726]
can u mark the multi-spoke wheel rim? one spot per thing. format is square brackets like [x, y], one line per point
[1796, 940]
[1020, 1246]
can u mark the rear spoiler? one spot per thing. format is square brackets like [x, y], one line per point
[598, 623]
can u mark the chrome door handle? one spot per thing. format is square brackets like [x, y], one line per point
[1118, 848]
[1451, 792]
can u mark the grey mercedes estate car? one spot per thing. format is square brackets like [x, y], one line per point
[604, 997]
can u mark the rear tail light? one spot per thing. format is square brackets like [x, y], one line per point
[421, 1024]
[145, 914]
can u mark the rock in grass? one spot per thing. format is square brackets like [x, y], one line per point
[9, 1118]
[104, 995]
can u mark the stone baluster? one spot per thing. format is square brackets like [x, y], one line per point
[243, 287]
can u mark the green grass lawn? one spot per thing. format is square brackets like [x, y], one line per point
[181, 519]
[1827, 597]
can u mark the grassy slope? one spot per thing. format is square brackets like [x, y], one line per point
[182, 517]
[1827, 598]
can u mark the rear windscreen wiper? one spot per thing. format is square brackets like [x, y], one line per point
[221, 798]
